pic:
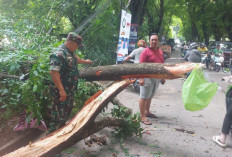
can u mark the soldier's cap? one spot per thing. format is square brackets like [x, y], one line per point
[75, 37]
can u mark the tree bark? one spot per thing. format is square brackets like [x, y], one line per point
[80, 127]
[161, 15]
[227, 19]
[122, 71]
[144, 70]
[83, 124]
[204, 26]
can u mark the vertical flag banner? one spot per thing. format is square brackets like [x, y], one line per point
[124, 35]
[133, 37]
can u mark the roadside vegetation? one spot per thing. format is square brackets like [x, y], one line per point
[31, 29]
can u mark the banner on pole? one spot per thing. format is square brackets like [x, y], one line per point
[133, 37]
[124, 35]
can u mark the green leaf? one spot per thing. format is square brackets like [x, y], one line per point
[58, 43]
[34, 88]
[35, 73]
[4, 106]
[70, 150]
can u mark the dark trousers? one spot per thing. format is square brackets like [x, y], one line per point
[207, 61]
[227, 123]
[60, 111]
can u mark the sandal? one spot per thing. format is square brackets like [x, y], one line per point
[146, 122]
[216, 140]
[151, 115]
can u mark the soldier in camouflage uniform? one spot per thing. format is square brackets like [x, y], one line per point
[64, 73]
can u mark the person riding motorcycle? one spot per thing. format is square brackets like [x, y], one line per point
[203, 49]
[208, 59]
[136, 52]
[217, 58]
[193, 55]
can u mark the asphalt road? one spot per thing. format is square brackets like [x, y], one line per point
[175, 133]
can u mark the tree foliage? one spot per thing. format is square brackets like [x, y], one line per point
[30, 29]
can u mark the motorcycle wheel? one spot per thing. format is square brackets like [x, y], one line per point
[136, 86]
[218, 67]
[226, 70]
[214, 67]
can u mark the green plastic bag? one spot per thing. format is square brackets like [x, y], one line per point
[197, 92]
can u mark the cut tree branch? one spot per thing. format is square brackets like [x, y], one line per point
[143, 70]
[122, 71]
[81, 126]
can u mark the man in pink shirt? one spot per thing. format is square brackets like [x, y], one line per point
[148, 86]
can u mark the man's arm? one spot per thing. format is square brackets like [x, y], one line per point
[131, 55]
[83, 61]
[141, 81]
[56, 79]
[127, 58]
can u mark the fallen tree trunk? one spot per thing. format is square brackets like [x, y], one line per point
[83, 124]
[122, 71]
[144, 70]
[80, 127]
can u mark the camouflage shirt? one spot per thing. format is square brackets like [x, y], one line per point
[65, 63]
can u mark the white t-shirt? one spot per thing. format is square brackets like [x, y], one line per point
[136, 54]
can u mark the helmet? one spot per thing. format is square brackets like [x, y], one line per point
[193, 46]
[202, 45]
[141, 43]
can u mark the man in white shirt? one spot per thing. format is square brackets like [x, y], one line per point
[136, 52]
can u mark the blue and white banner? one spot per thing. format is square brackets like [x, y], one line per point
[133, 37]
[123, 42]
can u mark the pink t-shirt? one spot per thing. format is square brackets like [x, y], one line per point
[151, 56]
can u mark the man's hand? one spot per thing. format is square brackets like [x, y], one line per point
[162, 81]
[62, 95]
[87, 61]
[56, 79]
[141, 81]
[83, 61]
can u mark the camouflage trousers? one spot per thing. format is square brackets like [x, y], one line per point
[60, 111]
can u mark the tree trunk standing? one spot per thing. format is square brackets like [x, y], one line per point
[227, 19]
[161, 15]
[150, 23]
[204, 26]
[134, 8]
[216, 22]
[144, 9]
[170, 20]
[154, 24]
[137, 11]
[216, 31]
[192, 12]
[195, 35]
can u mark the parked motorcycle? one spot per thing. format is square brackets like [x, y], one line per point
[135, 85]
[217, 62]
